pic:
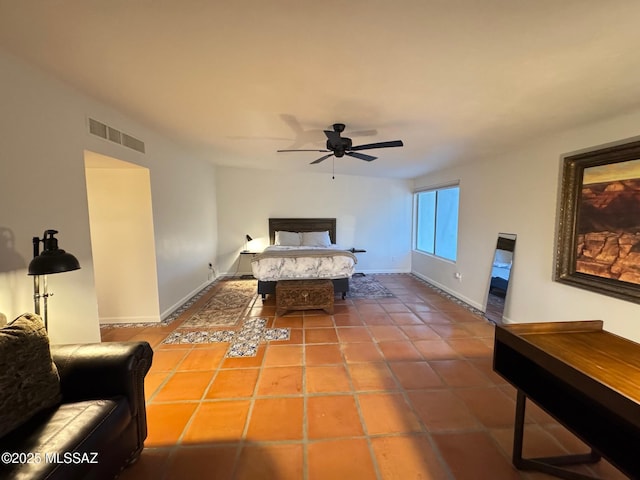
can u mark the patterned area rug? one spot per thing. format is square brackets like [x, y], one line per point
[226, 307]
[242, 343]
[367, 287]
[229, 305]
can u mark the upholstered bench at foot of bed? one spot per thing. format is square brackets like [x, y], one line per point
[304, 295]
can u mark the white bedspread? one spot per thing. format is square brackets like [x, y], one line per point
[290, 263]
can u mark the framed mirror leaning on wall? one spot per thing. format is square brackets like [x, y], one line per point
[500, 277]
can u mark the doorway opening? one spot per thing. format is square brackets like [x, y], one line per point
[122, 240]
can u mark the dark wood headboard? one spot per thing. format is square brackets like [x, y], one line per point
[508, 244]
[302, 225]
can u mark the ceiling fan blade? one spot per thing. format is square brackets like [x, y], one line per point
[363, 133]
[321, 159]
[302, 150]
[393, 143]
[240, 137]
[292, 121]
[361, 156]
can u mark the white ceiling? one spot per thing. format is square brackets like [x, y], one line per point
[454, 79]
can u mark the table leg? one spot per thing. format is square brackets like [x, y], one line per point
[550, 465]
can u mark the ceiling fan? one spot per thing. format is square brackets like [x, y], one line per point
[340, 146]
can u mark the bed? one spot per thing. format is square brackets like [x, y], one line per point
[303, 249]
[499, 280]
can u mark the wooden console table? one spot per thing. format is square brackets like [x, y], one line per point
[586, 378]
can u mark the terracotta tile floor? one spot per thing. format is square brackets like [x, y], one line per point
[391, 388]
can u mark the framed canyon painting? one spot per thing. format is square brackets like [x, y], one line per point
[598, 244]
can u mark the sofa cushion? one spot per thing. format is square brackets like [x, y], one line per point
[29, 381]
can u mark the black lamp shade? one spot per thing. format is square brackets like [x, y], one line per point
[52, 259]
[57, 261]
[248, 238]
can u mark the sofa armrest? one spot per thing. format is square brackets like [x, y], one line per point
[103, 370]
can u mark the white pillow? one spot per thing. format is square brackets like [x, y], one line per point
[289, 239]
[316, 239]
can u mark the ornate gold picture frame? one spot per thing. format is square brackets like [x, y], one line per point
[598, 244]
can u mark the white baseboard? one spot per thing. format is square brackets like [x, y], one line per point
[466, 300]
[145, 319]
[381, 272]
[184, 299]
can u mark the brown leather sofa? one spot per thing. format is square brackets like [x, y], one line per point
[101, 424]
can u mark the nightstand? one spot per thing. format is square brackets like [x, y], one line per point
[354, 251]
[246, 252]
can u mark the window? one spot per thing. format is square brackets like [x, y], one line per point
[437, 221]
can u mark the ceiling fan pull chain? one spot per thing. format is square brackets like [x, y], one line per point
[333, 168]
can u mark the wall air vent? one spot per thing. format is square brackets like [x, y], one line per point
[116, 136]
[97, 128]
[132, 142]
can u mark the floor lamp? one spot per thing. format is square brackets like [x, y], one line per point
[51, 260]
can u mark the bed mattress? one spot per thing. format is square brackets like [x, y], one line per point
[291, 263]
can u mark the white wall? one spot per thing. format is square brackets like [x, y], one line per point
[518, 192]
[43, 133]
[372, 213]
[122, 240]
